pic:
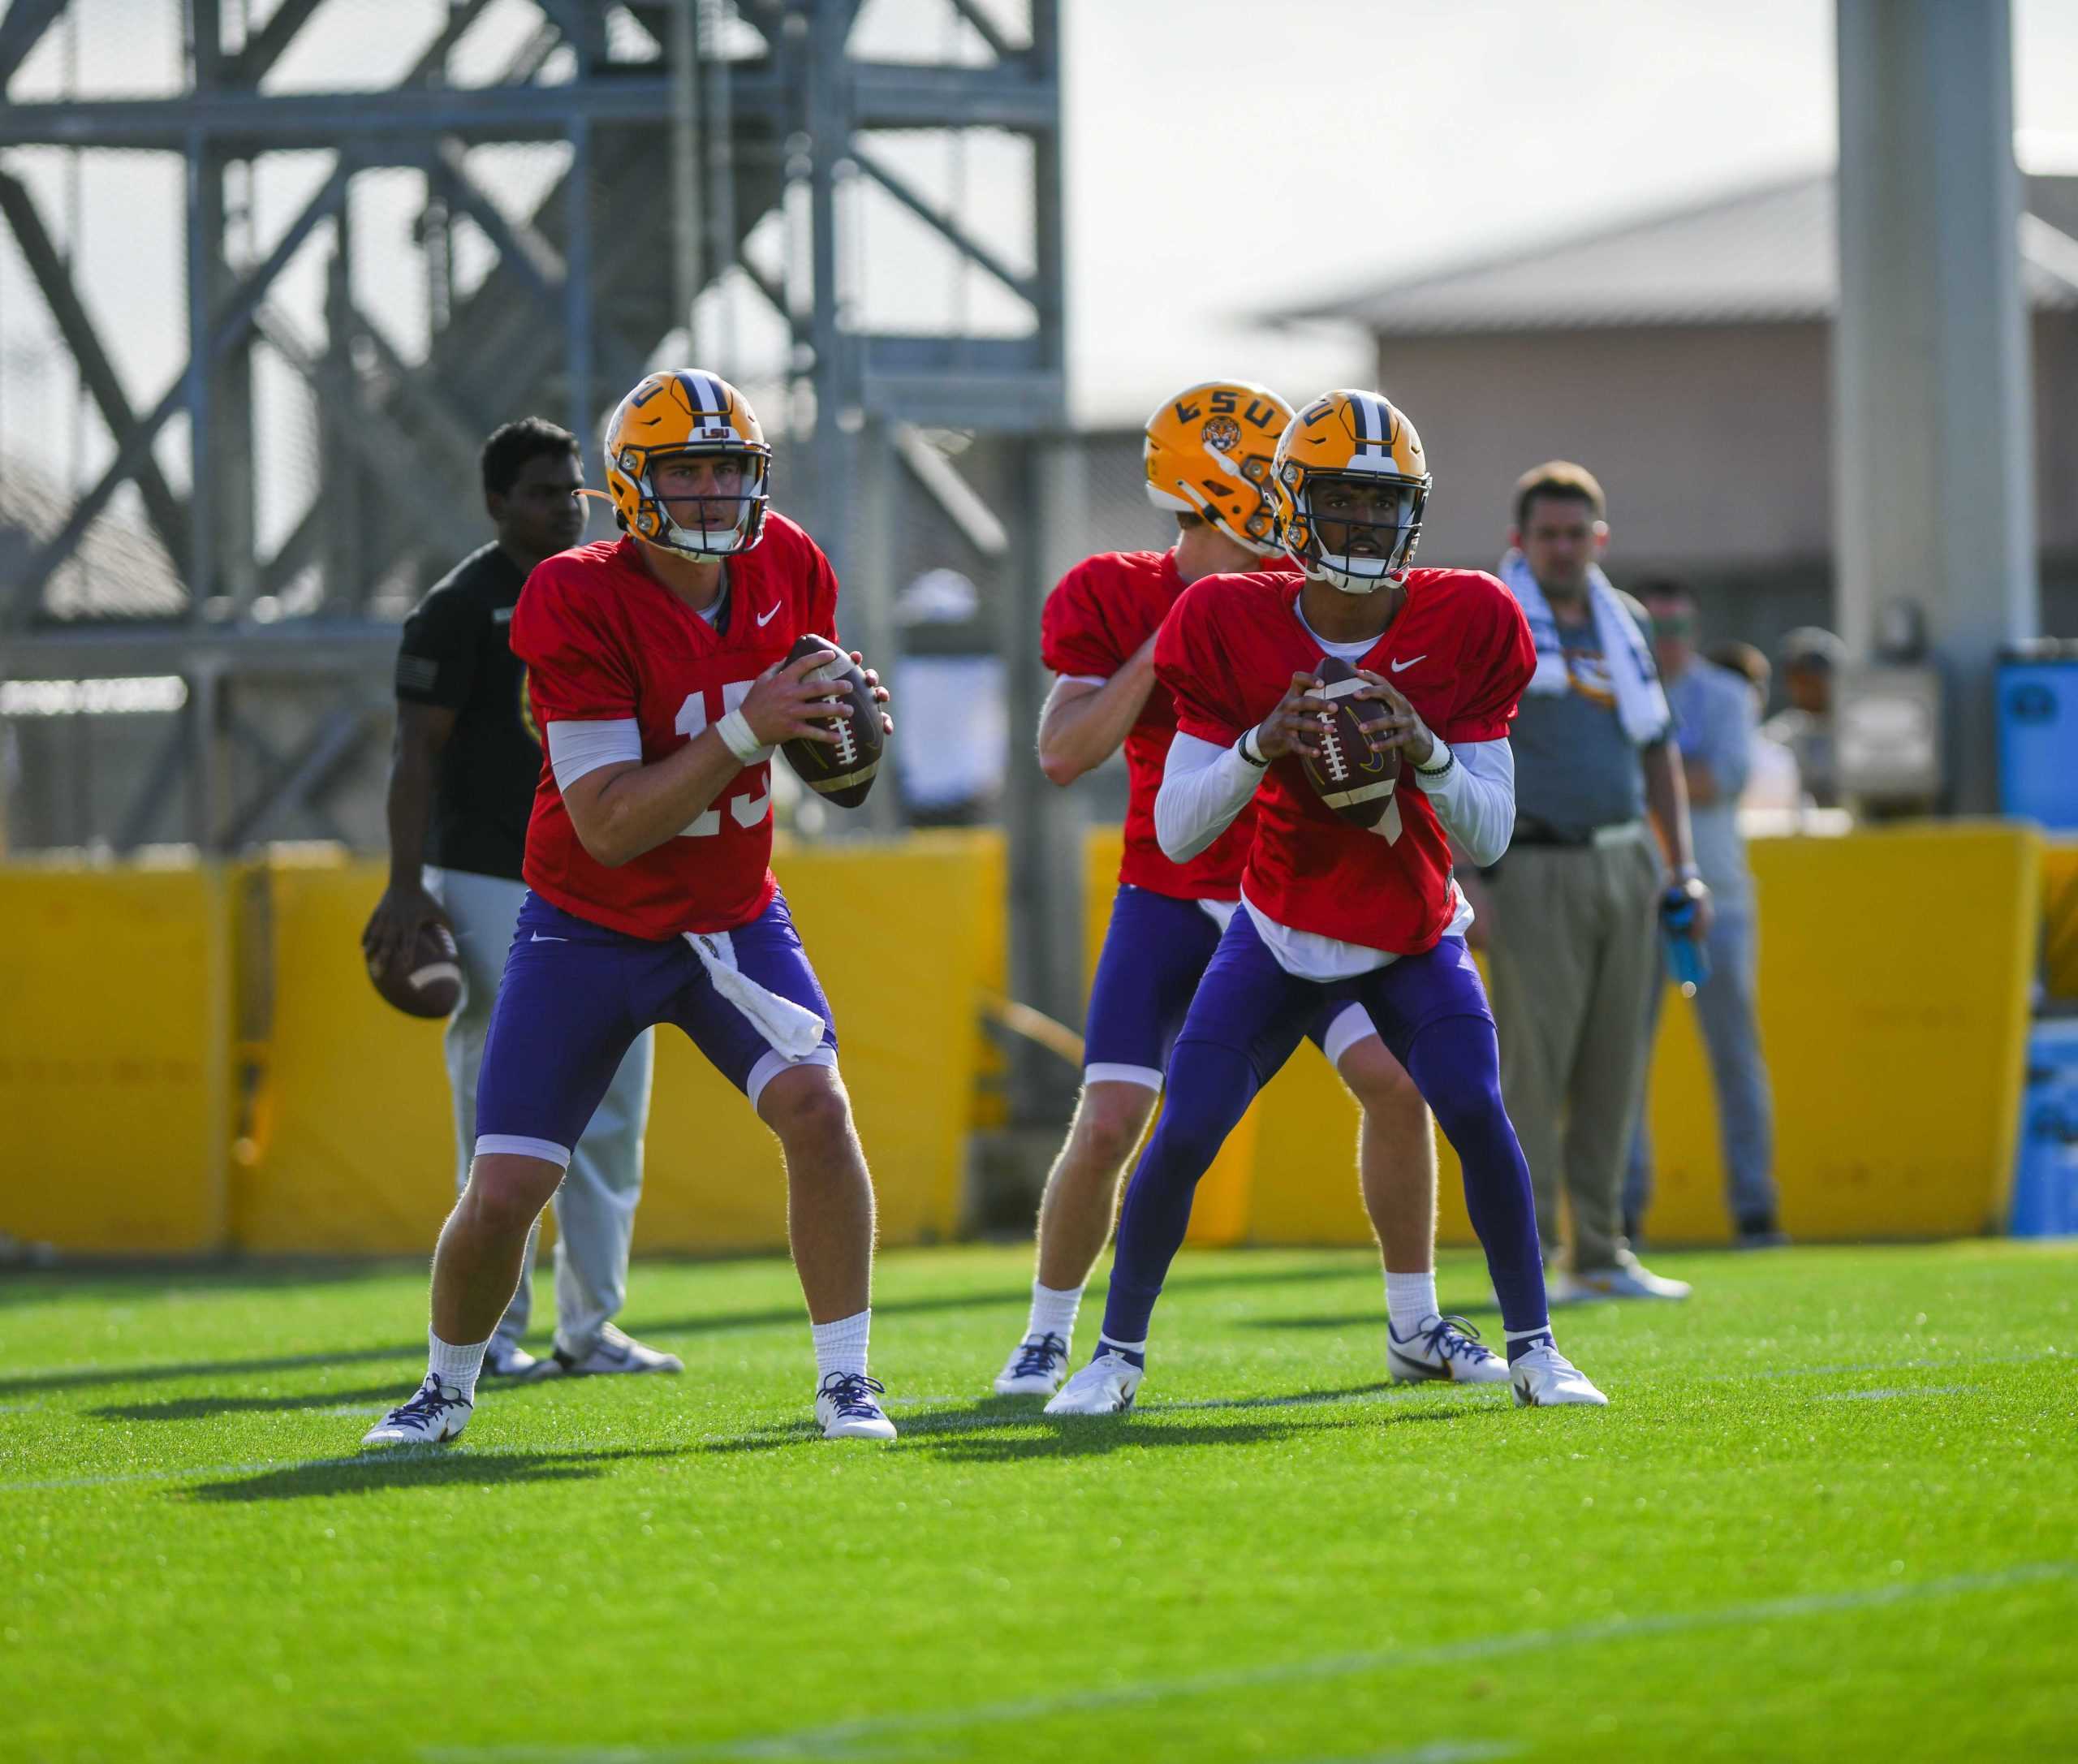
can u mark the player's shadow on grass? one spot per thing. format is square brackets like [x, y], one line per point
[202, 1408]
[427, 1467]
[788, 1317]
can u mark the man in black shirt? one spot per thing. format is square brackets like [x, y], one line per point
[468, 757]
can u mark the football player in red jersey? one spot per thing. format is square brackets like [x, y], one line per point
[1207, 460]
[1333, 911]
[655, 670]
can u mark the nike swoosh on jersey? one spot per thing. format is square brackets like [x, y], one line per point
[1401, 667]
[767, 616]
[539, 938]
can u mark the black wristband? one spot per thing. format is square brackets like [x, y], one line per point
[1450, 759]
[1255, 759]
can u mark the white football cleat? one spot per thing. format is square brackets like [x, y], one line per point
[1447, 1348]
[614, 1351]
[1036, 1369]
[845, 1407]
[1105, 1386]
[437, 1413]
[1630, 1278]
[1545, 1379]
[504, 1359]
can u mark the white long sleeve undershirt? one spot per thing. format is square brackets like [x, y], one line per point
[1205, 786]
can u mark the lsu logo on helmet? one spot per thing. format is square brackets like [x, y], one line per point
[688, 413]
[1350, 470]
[1209, 453]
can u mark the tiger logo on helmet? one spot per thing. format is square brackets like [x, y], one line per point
[688, 413]
[1343, 449]
[1209, 452]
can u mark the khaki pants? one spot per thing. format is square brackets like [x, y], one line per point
[1574, 957]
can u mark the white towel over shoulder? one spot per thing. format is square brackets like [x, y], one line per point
[1641, 704]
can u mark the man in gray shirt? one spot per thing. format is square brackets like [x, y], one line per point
[1714, 716]
[1572, 910]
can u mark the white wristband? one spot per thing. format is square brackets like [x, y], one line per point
[1248, 740]
[735, 733]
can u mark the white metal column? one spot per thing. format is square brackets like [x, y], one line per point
[1933, 442]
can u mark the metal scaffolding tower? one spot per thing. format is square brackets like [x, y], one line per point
[686, 124]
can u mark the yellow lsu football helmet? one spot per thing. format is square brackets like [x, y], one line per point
[1209, 452]
[688, 412]
[1350, 466]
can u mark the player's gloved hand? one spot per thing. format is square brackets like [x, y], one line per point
[1403, 727]
[784, 706]
[880, 691]
[394, 927]
[1294, 727]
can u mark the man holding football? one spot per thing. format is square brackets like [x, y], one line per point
[1356, 905]
[659, 670]
[1207, 459]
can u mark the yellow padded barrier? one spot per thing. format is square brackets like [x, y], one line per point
[1894, 970]
[2060, 918]
[355, 1154]
[115, 1039]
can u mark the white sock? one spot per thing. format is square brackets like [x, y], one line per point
[841, 1346]
[456, 1368]
[1052, 1311]
[1410, 1300]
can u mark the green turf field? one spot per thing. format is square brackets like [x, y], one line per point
[1832, 1513]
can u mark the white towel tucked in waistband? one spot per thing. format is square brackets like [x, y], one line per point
[1641, 706]
[792, 1031]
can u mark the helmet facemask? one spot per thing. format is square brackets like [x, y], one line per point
[721, 525]
[1375, 519]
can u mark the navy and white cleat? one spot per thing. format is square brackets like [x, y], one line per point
[1545, 1379]
[504, 1359]
[1037, 1369]
[1105, 1386]
[613, 1353]
[845, 1406]
[437, 1413]
[1446, 1347]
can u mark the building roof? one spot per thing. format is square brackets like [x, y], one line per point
[1756, 257]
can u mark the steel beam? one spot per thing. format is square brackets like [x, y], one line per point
[984, 28]
[167, 514]
[943, 225]
[228, 328]
[266, 45]
[22, 30]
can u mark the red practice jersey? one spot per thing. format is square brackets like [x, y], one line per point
[1103, 609]
[1459, 650]
[603, 640]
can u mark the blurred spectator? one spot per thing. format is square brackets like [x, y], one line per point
[1771, 779]
[1574, 907]
[1812, 659]
[1714, 720]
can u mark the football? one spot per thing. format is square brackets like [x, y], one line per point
[427, 981]
[841, 774]
[1353, 780]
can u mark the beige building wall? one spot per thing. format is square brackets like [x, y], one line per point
[1713, 442]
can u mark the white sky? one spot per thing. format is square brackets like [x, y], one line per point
[1224, 158]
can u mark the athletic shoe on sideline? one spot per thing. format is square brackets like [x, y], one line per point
[504, 1359]
[1630, 1278]
[1105, 1386]
[613, 1353]
[1446, 1347]
[1036, 1369]
[1544, 1379]
[437, 1413]
[845, 1407]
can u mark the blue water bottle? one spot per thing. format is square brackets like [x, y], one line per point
[1687, 963]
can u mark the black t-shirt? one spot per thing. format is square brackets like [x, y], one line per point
[456, 651]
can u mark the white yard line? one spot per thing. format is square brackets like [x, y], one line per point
[854, 1738]
[1885, 1396]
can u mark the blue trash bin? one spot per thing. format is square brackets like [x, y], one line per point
[2038, 733]
[2045, 1174]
